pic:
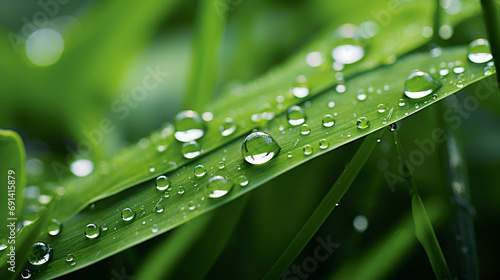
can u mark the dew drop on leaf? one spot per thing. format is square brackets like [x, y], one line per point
[242, 180]
[128, 214]
[92, 231]
[188, 126]
[420, 84]
[162, 183]
[479, 51]
[25, 273]
[307, 150]
[381, 108]
[69, 257]
[191, 149]
[323, 144]
[296, 115]
[259, 148]
[180, 190]
[54, 227]
[305, 130]
[40, 253]
[363, 123]
[200, 171]
[218, 186]
[348, 54]
[227, 127]
[327, 120]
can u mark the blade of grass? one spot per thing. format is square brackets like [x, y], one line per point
[423, 227]
[491, 15]
[325, 207]
[462, 212]
[210, 26]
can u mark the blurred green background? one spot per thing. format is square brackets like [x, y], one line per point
[110, 46]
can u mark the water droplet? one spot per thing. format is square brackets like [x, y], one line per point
[305, 130]
[128, 214]
[227, 127]
[307, 150]
[105, 227]
[25, 273]
[401, 102]
[200, 171]
[69, 257]
[289, 155]
[361, 96]
[323, 144]
[381, 108]
[348, 54]
[191, 149]
[188, 126]
[40, 253]
[54, 227]
[154, 229]
[222, 165]
[92, 231]
[458, 70]
[300, 89]
[360, 223]
[180, 190]
[420, 84]
[340, 88]
[328, 120]
[314, 59]
[331, 104]
[82, 167]
[488, 70]
[259, 148]
[479, 51]
[363, 123]
[296, 115]
[158, 208]
[218, 186]
[162, 183]
[242, 180]
[460, 84]
[393, 127]
[444, 72]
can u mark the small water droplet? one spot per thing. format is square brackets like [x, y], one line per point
[458, 70]
[305, 130]
[69, 257]
[25, 273]
[180, 190]
[488, 70]
[92, 231]
[296, 115]
[259, 148]
[314, 59]
[188, 126]
[340, 88]
[460, 84]
[360, 223]
[331, 104]
[479, 51]
[191, 149]
[348, 54]
[128, 214]
[227, 127]
[162, 183]
[200, 171]
[307, 150]
[363, 123]
[289, 155]
[40, 253]
[444, 72]
[323, 144]
[218, 186]
[158, 208]
[401, 102]
[154, 228]
[222, 165]
[105, 227]
[300, 89]
[328, 120]
[242, 180]
[361, 96]
[54, 227]
[381, 108]
[393, 127]
[434, 96]
[420, 84]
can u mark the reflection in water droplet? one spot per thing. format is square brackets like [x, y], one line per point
[162, 183]
[218, 186]
[479, 51]
[307, 150]
[54, 227]
[188, 126]
[128, 214]
[200, 171]
[323, 144]
[242, 180]
[40, 253]
[92, 231]
[191, 149]
[227, 127]
[327, 120]
[305, 130]
[420, 84]
[296, 115]
[259, 148]
[69, 257]
[363, 123]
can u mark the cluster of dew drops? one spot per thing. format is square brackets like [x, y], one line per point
[260, 147]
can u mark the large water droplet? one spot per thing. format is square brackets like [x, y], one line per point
[218, 186]
[188, 126]
[92, 231]
[162, 183]
[479, 51]
[296, 115]
[191, 149]
[227, 127]
[128, 214]
[363, 123]
[327, 120]
[40, 253]
[200, 171]
[420, 84]
[348, 54]
[54, 227]
[259, 148]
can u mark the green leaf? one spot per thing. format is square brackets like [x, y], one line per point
[177, 206]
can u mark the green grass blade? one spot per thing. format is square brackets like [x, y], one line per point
[463, 236]
[291, 155]
[491, 15]
[325, 207]
[423, 226]
[210, 26]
